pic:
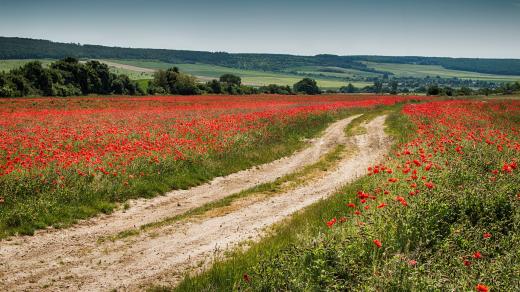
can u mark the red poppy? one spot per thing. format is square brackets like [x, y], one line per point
[401, 200]
[378, 243]
[482, 288]
[477, 255]
[382, 205]
[486, 235]
[331, 222]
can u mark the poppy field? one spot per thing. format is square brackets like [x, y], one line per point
[440, 213]
[71, 158]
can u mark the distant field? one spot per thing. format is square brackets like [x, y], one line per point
[206, 72]
[410, 70]
[132, 74]
[8, 65]
[327, 77]
[335, 72]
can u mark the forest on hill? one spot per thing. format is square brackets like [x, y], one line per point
[24, 48]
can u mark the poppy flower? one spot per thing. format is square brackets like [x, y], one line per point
[331, 222]
[378, 243]
[401, 200]
[477, 255]
[486, 235]
[482, 288]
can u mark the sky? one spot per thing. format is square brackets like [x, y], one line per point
[454, 28]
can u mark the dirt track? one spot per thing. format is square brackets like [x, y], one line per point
[72, 259]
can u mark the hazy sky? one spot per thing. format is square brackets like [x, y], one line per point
[458, 28]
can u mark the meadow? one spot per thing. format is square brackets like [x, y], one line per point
[206, 72]
[440, 213]
[421, 71]
[8, 65]
[327, 77]
[71, 158]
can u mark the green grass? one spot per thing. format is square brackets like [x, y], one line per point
[262, 190]
[335, 72]
[438, 229]
[227, 274]
[8, 65]
[133, 75]
[421, 71]
[205, 72]
[33, 205]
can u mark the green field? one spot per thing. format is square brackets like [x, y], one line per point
[8, 65]
[421, 71]
[336, 72]
[134, 75]
[327, 77]
[250, 77]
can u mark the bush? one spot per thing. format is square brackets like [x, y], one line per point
[307, 86]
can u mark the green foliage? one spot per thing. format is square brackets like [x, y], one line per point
[214, 86]
[307, 86]
[34, 204]
[64, 78]
[424, 244]
[230, 79]
[21, 48]
[350, 88]
[276, 89]
[171, 81]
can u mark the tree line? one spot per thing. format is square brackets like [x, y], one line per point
[434, 87]
[172, 81]
[24, 48]
[70, 77]
[65, 77]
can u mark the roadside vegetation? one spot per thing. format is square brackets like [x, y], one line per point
[70, 77]
[441, 213]
[69, 159]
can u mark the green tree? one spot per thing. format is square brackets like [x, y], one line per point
[393, 87]
[350, 88]
[378, 86]
[215, 86]
[307, 86]
[172, 81]
[433, 90]
[231, 79]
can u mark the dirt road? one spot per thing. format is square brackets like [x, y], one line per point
[73, 259]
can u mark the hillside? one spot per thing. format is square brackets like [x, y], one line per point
[23, 48]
